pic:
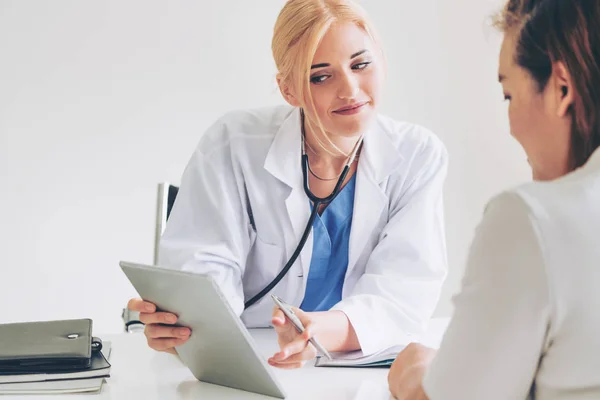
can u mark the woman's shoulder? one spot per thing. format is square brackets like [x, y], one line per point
[521, 202]
[419, 153]
[551, 200]
[412, 138]
[263, 117]
[237, 127]
[508, 205]
[541, 206]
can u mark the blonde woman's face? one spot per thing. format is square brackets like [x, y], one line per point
[346, 78]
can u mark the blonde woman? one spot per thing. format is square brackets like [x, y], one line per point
[370, 269]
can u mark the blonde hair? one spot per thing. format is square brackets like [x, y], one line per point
[299, 29]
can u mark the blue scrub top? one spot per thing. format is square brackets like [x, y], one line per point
[331, 235]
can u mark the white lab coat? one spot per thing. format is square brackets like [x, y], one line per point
[248, 163]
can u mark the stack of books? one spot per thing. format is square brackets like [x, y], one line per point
[52, 357]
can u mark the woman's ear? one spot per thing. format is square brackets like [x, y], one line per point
[287, 93]
[564, 88]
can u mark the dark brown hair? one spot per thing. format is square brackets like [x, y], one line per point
[568, 31]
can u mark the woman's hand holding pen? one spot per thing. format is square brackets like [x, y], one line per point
[333, 329]
[295, 348]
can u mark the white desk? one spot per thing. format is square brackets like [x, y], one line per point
[139, 372]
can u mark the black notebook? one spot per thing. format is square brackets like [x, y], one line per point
[99, 368]
[46, 346]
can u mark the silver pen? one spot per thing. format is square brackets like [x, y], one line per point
[289, 313]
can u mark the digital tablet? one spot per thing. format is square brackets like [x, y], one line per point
[220, 349]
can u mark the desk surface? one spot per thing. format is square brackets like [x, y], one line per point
[142, 373]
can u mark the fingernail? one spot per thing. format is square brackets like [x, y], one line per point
[149, 307]
[182, 332]
[171, 319]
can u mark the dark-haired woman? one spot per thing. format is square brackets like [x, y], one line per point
[527, 321]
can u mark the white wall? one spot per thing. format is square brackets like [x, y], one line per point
[101, 100]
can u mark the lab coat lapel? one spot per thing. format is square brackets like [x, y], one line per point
[284, 162]
[378, 159]
[298, 207]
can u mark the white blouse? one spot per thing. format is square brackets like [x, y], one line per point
[527, 321]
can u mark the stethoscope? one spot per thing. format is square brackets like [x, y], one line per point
[317, 203]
